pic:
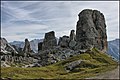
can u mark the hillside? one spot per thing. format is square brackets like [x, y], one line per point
[92, 63]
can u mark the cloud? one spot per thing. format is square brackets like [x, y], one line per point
[33, 19]
[22, 32]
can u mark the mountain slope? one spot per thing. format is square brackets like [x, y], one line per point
[6, 48]
[92, 63]
[113, 48]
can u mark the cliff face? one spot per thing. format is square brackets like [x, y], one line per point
[91, 30]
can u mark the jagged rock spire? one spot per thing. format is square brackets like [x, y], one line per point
[72, 35]
[27, 48]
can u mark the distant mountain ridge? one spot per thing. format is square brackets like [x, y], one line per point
[113, 48]
[33, 43]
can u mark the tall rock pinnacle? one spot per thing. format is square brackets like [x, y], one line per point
[27, 48]
[49, 40]
[72, 35]
[91, 30]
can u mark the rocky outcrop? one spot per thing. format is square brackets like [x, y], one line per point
[4, 64]
[18, 49]
[6, 48]
[10, 60]
[40, 46]
[64, 41]
[72, 42]
[72, 65]
[27, 48]
[49, 40]
[56, 54]
[91, 30]
[72, 35]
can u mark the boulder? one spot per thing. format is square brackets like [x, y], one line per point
[32, 65]
[91, 30]
[72, 65]
[72, 44]
[64, 41]
[49, 40]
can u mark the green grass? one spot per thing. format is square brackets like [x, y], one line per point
[95, 62]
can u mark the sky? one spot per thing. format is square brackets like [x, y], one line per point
[32, 19]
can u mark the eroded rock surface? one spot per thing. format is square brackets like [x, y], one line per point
[91, 30]
[64, 41]
[6, 48]
[27, 48]
[49, 40]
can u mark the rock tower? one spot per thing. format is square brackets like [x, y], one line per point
[91, 30]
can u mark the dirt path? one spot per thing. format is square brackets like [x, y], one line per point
[114, 74]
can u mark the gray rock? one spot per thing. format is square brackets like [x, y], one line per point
[4, 64]
[49, 40]
[6, 48]
[27, 49]
[55, 54]
[72, 35]
[32, 65]
[18, 49]
[12, 60]
[64, 41]
[91, 30]
[72, 44]
[40, 46]
[72, 65]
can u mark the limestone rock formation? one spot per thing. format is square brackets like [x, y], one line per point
[64, 41]
[72, 35]
[73, 64]
[49, 40]
[40, 46]
[91, 30]
[72, 42]
[6, 47]
[18, 49]
[56, 54]
[27, 48]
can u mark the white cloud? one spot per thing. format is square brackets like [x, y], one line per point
[26, 18]
[17, 32]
